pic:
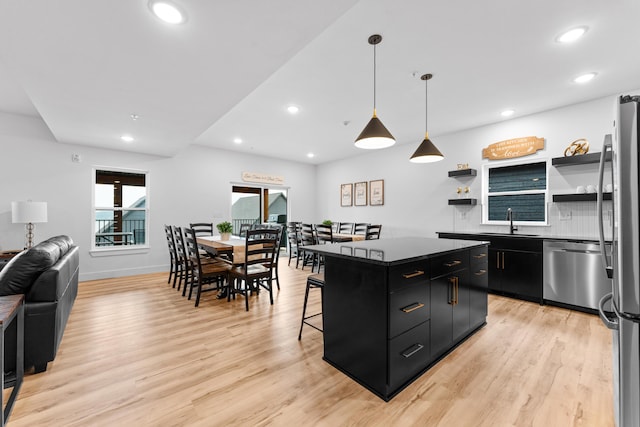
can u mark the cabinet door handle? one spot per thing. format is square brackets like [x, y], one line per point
[451, 291]
[453, 263]
[480, 272]
[412, 307]
[456, 290]
[412, 350]
[480, 255]
[414, 274]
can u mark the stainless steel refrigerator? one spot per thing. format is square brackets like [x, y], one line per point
[623, 263]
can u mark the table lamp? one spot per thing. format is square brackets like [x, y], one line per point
[28, 213]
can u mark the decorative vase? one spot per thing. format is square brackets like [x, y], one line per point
[225, 236]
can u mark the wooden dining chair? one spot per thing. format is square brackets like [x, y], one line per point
[202, 228]
[324, 233]
[360, 228]
[307, 238]
[173, 271]
[214, 273]
[292, 239]
[256, 271]
[373, 232]
[346, 228]
[243, 229]
[182, 259]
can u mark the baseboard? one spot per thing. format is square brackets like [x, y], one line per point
[110, 274]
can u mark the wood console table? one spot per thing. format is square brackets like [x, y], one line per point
[12, 320]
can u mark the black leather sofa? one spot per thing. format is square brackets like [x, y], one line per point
[47, 274]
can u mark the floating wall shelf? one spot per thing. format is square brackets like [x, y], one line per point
[587, 197]
[463, 172]
[582, 159]
[468, 202]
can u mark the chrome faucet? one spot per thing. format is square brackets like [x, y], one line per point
[510, 219]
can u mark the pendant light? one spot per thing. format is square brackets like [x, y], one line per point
[426, 152]
[375, 135]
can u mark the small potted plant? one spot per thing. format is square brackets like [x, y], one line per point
[327, 222]
[224, 228]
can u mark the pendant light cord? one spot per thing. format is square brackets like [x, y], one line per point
[426, 106]
[374, 79]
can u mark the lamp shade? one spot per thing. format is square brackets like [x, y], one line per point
[28, 212]
[374, 136]
[427, 152]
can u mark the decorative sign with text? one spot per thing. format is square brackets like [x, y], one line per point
[262, 178]
[512, 148]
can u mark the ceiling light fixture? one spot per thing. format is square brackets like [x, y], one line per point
[237, 140]
[427, 151]
[585, 78]
[127, 138]
[374, 135]
[571, 35]
[167, 11]
[507, 113]
[310, 155]
[292, 109]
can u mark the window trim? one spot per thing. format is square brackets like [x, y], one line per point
[485, 192]
[123, 249]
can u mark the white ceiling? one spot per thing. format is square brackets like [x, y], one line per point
[234, 66]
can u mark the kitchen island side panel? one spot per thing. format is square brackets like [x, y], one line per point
[355, 320]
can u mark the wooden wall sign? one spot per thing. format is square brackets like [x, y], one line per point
[512, 148]
[262, 178]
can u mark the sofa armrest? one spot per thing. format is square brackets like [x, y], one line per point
[52, 284]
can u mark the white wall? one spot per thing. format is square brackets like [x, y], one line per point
[416, 194]
[191, 186]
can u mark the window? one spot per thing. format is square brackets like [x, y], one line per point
[521, 187]
[120, 206]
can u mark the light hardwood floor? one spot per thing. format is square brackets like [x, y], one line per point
[136, 353]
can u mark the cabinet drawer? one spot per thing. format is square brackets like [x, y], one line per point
[478, 255]
[409, 354]
[408, 308]
[404, 275]
[448, 263]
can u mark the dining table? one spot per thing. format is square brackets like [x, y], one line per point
[235, 246]
[345, 237]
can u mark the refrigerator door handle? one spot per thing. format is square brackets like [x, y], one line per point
[609, 322]
[603, 249]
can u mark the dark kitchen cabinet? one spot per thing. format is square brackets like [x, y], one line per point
[516, 273]
[514, 265]
[449, 301]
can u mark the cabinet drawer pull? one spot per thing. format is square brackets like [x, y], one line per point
[412, 350]
[482, 255]
[414, 274]
[412, 307]
[453, 263]
[480, 272]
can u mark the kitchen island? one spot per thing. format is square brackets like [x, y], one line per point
[393, 307]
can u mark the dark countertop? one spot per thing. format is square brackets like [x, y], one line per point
[517, 235]
[393, 250]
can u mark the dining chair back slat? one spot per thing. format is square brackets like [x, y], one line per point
[202, 228]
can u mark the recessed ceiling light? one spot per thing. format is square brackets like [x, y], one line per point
[167, 11]
[237, 140]
[310, 155]
[585, 78]
[507, 113]
[292, 109]
[127, 138]
[571, 35]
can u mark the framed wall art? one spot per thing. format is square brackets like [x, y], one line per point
[360, 193]
[376, 192]
[346, 191]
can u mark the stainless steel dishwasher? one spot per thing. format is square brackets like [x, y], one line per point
[573, 273]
